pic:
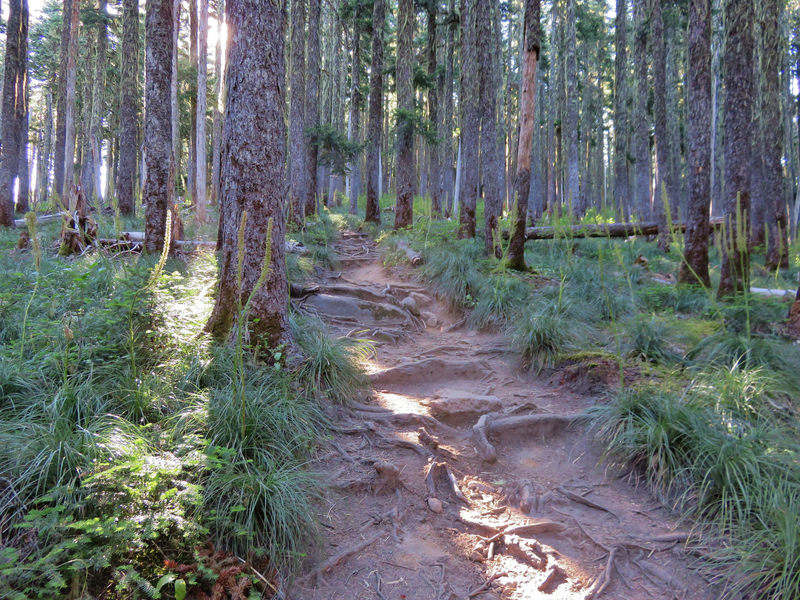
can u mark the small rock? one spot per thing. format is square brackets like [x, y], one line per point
[435, 504]
[410, 305]
[420, 299]
[431, 320]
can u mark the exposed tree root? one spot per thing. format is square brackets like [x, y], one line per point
[442, 469]
[554, 578]
[604, 580]
[586, 502]
[486, 585]
[327, 566]
[540, 424]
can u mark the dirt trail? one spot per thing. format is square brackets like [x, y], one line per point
[415, 512]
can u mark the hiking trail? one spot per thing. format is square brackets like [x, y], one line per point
[459, 476]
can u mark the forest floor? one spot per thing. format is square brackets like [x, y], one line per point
[412, 510]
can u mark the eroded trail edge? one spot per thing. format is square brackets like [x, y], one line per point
[460, 477]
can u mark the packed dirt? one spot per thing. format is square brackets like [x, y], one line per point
[460, 476]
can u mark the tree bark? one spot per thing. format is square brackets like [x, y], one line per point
[621, 191]
[574, 197]
[173, 91]
[201, 173]
[404, 210]
[70, 107]
[129, 107]
[297, 98]
[774, 204]
[373, 209]
[735, 268]
[661, 198]
[470, 121]
[312, 105]
[23, 113]
[58, 158]
[90, 170]
[491, 160]
[435, 177]
[13, 105]
[159, 166]
[641, 126]
[694, 268]
[191, 159]
[252, 182]
[219, 104]
[516, 247]
[354, 123]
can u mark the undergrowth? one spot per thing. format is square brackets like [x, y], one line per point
[123, 449]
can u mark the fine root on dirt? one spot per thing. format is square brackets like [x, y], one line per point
[335, 560]
[586, 502]
[486, 584]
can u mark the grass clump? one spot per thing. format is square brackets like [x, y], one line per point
[453, 273]
[543, 334]
[647, 340]
[500, 298]
[332, 366]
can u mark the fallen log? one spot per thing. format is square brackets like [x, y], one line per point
[614, 230]
[134, 239]
[413, 257]
[40, 219]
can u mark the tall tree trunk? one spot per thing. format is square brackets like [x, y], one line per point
[717, 108]
[621, 192]
[201, 176]
[469, 98]
[312, 105]
[573, 193]
[297, 97]
[90, 169]
[373, 211]
[446, 132]
[491, 160]
[173, 91]
[191, 159]
[516, 247]
[694, 268]
[43, 168]
[128, 108]
[771, 123]
[641, 125]
[13, 106]
[252, 182]
[23, 114]
[433, 112]
[661, 198]
[354, 122]
[61, 106]
[219, 104]
[404, 209]
[159, 167]
[756, 236]
[735, 268]
[70, 108]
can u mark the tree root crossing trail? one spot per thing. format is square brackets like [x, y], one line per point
[458, 476]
